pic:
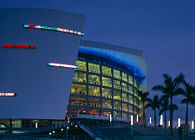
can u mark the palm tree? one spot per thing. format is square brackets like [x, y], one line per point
[144, 98]
[154, 104]
[188, 92]
[170, 89]
[164, 107]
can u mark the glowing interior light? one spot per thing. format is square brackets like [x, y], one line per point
[63, 65]
[137, 118]
[53, 29]
[161, 119]
[7, 94]
[179, 122]
[110, 117]
[150, 120]
[18, 46]
[192, 124]
[131, 120]
[169, 123]
[36, 125]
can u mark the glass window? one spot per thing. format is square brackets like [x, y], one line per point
[77, 110]
[94, 112]
[94, 68]
[117, 114]
[79, 101]
[130, 79]
[130, 99]
[130, 108]
[106, 82]
[130, 89]
[124, 87]
[117, 95]
[106, 71]
[93, 102]
[117, 105]
[106, 93]
[79, 77]
[124, 97]
[124, 115]
[124, 107]
[107, 104]
[81, 65]
[124, 77]
[117, 84]
[135, 83]
[93, 91]
[117, 74]
[93, 79]
[78, 89]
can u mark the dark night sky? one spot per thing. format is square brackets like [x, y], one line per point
[162, 29]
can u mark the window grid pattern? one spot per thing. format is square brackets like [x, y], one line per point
[105, 89]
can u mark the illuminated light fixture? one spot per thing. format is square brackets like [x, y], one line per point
[18, 46]
[62, 65]
[131, 120]
[137, 118]
[161, 120]
[7, 94]
[179, 122]
[169, 123]
[192, 125]
[150, 120]
[53, 29]
[110, 117]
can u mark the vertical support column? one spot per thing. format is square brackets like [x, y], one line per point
[100, 89]
[121, 92]
[87, 73]
[112, 90]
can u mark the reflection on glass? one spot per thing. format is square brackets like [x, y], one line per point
[94, 68]
[106, 71]
[116, 114]
[93, 79]
[130, 79]
[78, 89]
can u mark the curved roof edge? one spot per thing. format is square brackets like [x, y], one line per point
[131, 58]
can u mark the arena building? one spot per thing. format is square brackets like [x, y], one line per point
[49, 73]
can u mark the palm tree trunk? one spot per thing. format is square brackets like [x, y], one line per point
[155, 119]
[171, 118]
[143, 109]
[186, 120]
[165, 119]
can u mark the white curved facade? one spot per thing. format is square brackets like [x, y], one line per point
[42, 92]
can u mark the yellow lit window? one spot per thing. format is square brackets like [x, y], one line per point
[106, 82]
[117, 95]
[136, 83]
[78, 89]
[130, 108]
[124, 107]
[124, 77]
[93, 79]
[117, 74]
[117, 84]
[107, 104]
[106, 71]
[79, 101]
[130, 89]
[93, 91]
[94, 102]
[130, 79]
[106, 93]
[124, 97]
[79, 77]
[81, 65]
[130, 99]
[124, 87]
[94, 68]
[117, 105]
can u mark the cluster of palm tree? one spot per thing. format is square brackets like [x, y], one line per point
[171, 87]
